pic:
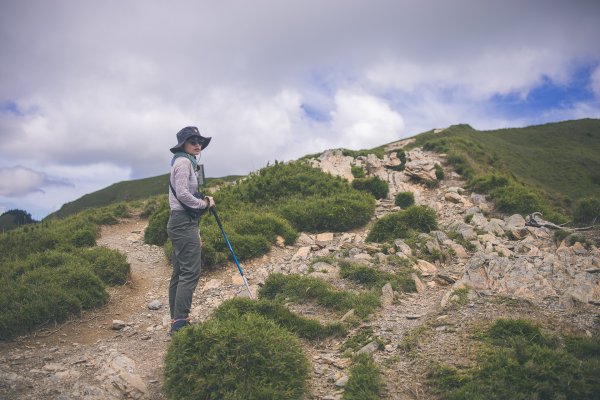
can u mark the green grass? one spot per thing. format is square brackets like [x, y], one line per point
[51, 271]
[404, 199]
[558, 162]
[403, 223]
[245, 358]
[519, 361]
[373, 185]
[303, 289]
[305, 328]
[365, 382]
[373, 278]
[360, 339]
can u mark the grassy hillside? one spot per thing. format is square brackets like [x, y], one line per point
[561, 161]
[125, 191]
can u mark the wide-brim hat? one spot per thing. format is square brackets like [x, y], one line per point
[187, 133]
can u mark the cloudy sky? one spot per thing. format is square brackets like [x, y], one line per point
[93, 92]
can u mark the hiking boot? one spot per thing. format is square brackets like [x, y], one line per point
[178, 324]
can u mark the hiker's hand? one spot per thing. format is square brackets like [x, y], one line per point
[210, 201]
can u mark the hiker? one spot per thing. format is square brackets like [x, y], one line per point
[186, 207]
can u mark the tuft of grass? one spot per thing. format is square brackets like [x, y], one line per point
[357, 171]
[303, 327]
[235, 358]
[410, 340]
[361, 338]
[373, 278]
[300, 289]
[374, 185]
[520, 362]
[404, 199]
[439, 172]
[365, 382]
[587, 210]
[401, 224]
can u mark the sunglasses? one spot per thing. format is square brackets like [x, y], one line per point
[195, 142]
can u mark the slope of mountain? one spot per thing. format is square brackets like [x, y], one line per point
[562, 159]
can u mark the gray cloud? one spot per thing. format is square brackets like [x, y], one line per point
[110, 83]
[20, 181]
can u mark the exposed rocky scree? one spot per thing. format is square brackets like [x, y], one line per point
[118, 351]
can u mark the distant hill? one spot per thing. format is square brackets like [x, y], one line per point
[561, 160]
[15, 218]
[126, 190]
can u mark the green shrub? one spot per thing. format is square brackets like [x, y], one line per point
[250, 232]
[587, 211]
[404, 199]
[522, 363]
[44, 294]
[400, 224]
[109, 265]
[338, 212]
[365, 381]
[357, 171]
[278, 182]
[389, 227]
[379, 152]
[439, 172]
[301, 289]
[156, 231]
[374, 185]
[303, 327]
[373, 278]
[240, 358]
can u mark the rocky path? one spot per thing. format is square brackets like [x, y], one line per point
[87, 358]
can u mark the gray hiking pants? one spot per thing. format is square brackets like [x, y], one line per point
[184, 233]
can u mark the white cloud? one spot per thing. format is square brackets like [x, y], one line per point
[363, 121]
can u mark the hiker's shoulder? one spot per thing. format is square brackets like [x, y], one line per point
[181, 161]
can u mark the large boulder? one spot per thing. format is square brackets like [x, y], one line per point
[419, 166]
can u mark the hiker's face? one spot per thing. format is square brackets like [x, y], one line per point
[192, 147]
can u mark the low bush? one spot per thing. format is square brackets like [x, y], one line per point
[248, 357]
[156, 231]
[303, 327]
[374, 185]
[109, 265]
[404, 199]
[587, 211]
[373, 278]
[338, 212]
[51, 286]
[439, 172]
[357, 171]
[402, 223]
[299, 288]
[520, 362]
[251, 234]
[379, 152]
[364, 382]
[46, 294]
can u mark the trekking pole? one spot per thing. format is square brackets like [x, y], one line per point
[214, 212]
